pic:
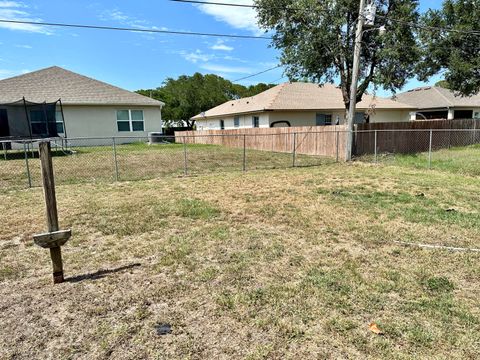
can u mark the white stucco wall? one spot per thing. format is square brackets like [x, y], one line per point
[299, 118]
[101, 121]
[382, 116]
[246, 121]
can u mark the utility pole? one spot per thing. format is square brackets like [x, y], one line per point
[355, 71]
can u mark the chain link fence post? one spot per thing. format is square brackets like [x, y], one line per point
[337, 137]
[185, 161]
[430, 150]
[244, 152]
[375, 144]
[294, 150]
[115, 158]
[27, 167]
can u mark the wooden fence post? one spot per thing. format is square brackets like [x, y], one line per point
[54, 238]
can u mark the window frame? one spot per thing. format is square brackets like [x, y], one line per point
[222, 124]
[59, 121]
[327, 119]
[236, 121]
[130, 120]
[42, 122]
[255, 121]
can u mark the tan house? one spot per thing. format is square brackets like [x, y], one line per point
[90, 108]
[299, 104]
[433, 102]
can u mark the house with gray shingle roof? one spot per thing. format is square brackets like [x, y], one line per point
[91, 108]
[434, 102]
[299, 104]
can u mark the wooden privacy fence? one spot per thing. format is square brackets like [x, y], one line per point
[414, 136]
[327, 141]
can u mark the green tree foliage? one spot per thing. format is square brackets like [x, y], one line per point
[443, 84]
[457, 52]
[188, 96]
[316, 39]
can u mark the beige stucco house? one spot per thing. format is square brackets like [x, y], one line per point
[433, 102]
[91, 108]
[298, 104]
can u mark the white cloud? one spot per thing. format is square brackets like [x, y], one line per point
[127, 20]
[23, 46]
[11, 4]
[5, 73]
[237, 17]
[120, 17]
[196, 56]
[220, 45]
[13, 10]
[226, 69]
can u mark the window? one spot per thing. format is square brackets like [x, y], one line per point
[59, 122]
[323, 119]
[476, 115]
[38, 121]
[359, 118]
[255, 121]
[236, 121]
[222, 125]
[42, 127]
[130, 120]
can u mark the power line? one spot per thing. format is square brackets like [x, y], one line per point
[258, 73]
[98, 27]
[409, 23]
[428, 27]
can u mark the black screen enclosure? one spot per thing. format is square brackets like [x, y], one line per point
[22, 120]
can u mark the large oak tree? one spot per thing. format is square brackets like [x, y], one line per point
[188, 96]
[316, 39]
[456, 53]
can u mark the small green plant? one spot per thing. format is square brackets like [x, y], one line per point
[196, 209]
[438, 284]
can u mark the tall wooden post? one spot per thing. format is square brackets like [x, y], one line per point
[54, 238]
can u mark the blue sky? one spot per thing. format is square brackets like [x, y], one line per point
[138, 60]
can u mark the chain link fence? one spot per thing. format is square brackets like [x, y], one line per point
[454, 150]
[135, 158]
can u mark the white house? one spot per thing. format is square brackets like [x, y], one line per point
[299, 104]
[90, 108]
[433, 102]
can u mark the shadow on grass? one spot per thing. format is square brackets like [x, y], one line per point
[100, 274]
[20, 154]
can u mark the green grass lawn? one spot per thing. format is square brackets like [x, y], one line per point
[464, 160]
[277, 264]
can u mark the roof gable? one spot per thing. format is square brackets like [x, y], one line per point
[431, 97]
[55, 83]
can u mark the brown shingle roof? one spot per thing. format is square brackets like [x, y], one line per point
[55, 83]
[298, 96]
[431, 97]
